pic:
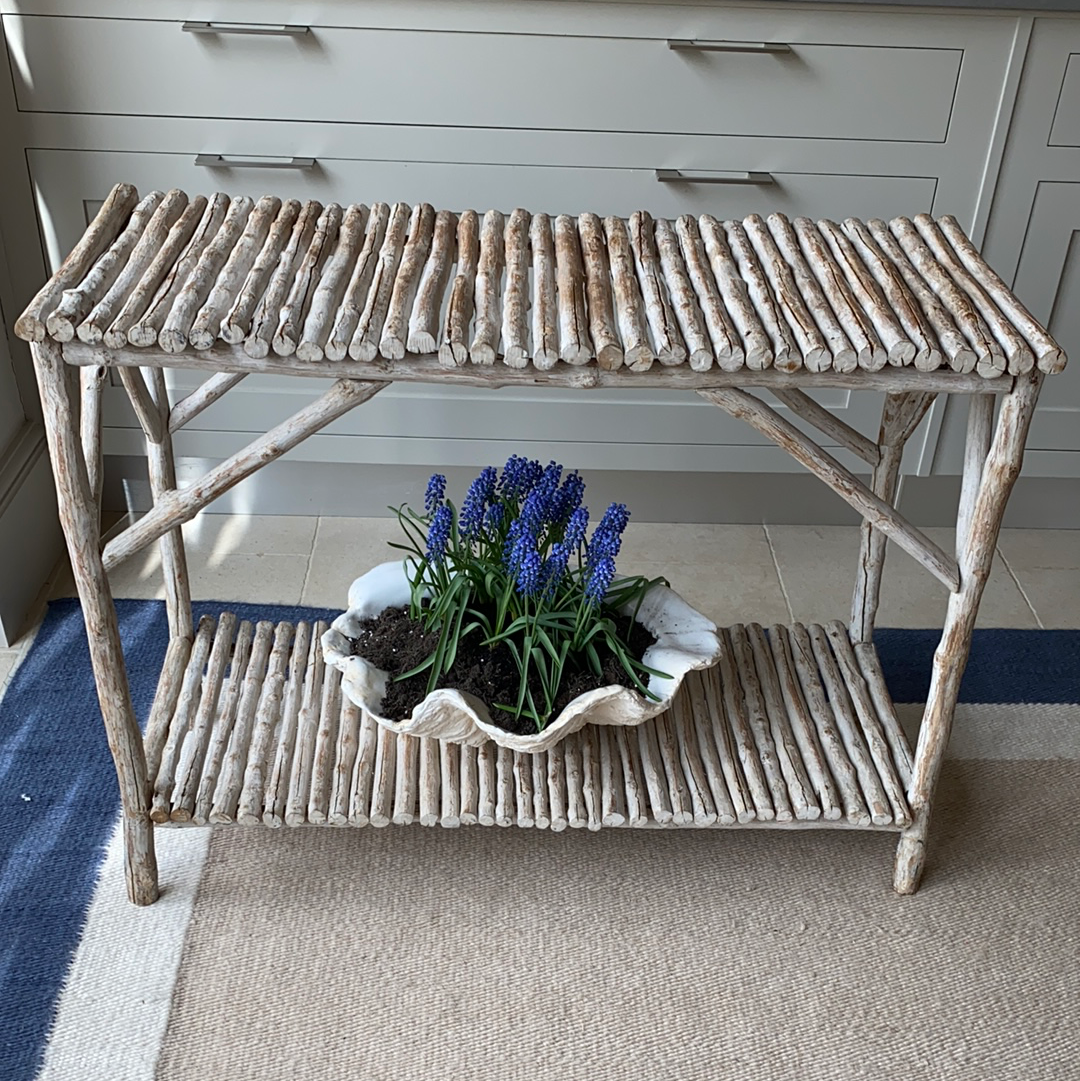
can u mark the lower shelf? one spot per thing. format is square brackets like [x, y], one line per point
[793, 728]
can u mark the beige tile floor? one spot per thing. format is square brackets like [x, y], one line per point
[733, 573]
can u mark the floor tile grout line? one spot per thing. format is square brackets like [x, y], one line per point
[310, 557]
[779, 576]
[1023, 592]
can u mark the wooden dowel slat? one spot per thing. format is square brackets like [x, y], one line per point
[637, 813]
[454, 347]
[730, 796]
[515, 306]
[382, 787]
[577, 816]
[170, 680]
[298, 300]
[470, 785]
[276, 793]
[77, 301]
[307, 729]
[545, 317]
[368, 333]
[601, 305]
[523, 790]
[652, 770]
[557, 793]
[505, 805]
[395, 332]
[541, 810]
[197, 740]
[638, 353]
[825, 723]
[591, 782]
[355, 297]
[683, 301]
[427, 308]
[348, 743]
[450, 794]
[870, 667]
[406, 780]
[322, 766]
[255, 796]
[693, 766]
[237, 322]
[207, 325]
[186, 706]
[331, 286]
[667, 340]
[612, 790]
[263, 682]
[189, 407]
[485, 342]
[485, 769]
[574, 345]
[363, 774]
[726, 344]
[430, 782]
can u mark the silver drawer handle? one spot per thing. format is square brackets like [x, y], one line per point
[677, 176]
[219, 161]
[698, 46]
[244, 28]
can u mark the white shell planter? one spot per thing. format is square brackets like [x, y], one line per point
[685, 640]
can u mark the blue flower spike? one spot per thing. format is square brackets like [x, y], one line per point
[435, 494]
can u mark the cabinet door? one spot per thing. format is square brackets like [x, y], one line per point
[650, 430]
[1048, 281]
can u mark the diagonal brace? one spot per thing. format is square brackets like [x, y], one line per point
[176, 507]
[873, 508]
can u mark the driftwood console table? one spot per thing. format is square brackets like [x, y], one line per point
[793, 728]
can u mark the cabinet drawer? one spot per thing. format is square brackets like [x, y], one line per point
[1066, 127]
[827, 90]
[70, 183]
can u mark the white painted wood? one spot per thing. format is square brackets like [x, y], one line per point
[322, 768]
[841, 355]
[332, 283]
[264, 323]
[174, 508]
[158, 231]
[268, 656]
[454, 347]
[298, 300]
[906, 308]
[726, 345]
[186, 706]
[574, 344]
[809, 341]
[833, 742]
[257, 793]
[106, 226]
[424, 321]
[190, 406]
[76, 302]
[667, 340]
[638, 354]
[869, 296]
[208, 323]
[395, 331]
[196, 741]
[756, 347]
[680, 292]
[842, 481]
[1018, 354]
[223, 723]
[485, 341]
[545, 319]
[515, 303]
[960, 355]
[356, 292]
[869, 351]
[237, 322]
[348, 744]
[173, 336]
[364, 772]
[846, 80]
[603, 330]
[1051, 358]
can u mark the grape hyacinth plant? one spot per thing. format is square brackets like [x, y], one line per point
[515, 567]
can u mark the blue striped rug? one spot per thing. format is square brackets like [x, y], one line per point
[58, 798]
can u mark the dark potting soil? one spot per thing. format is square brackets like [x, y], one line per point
[395, 643]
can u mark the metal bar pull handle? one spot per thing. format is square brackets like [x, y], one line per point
[699, 46]
[220, 161]
[677, 176]
[279, 31]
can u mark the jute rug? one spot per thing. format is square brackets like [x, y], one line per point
[487, 953]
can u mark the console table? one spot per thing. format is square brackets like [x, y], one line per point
[794, 728]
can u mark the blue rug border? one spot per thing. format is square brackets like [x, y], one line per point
[58, 796]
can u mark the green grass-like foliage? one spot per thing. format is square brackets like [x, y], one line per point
[515, 566]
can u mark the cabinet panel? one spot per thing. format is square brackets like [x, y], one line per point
[1048, 280]
[69, 183]
[1066, 127]
[816, 89]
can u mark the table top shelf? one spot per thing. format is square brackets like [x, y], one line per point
[792, 729]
